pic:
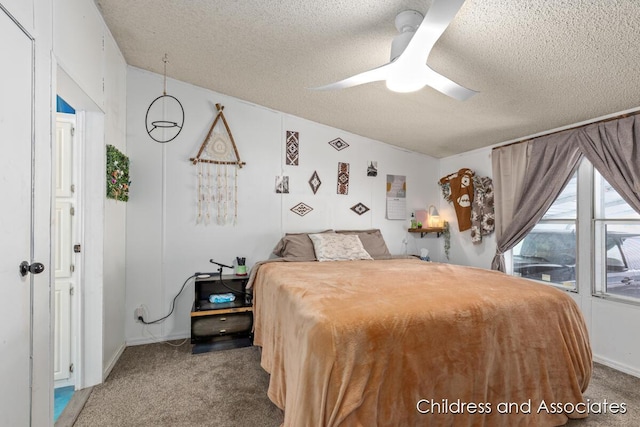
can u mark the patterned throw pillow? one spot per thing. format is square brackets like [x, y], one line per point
[372, 241]
[338, 247]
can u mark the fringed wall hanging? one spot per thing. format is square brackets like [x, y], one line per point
[165, 115]
[217, 164]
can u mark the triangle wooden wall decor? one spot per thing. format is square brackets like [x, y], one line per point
[216, 149]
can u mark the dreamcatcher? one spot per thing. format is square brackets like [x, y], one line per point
[217, 164]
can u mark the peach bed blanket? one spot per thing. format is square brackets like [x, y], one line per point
[406, 342]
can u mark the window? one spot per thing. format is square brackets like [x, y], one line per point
[617, 244]
[548, 252]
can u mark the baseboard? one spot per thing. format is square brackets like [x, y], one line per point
[152, 340]
[617, 366]
[113, 361]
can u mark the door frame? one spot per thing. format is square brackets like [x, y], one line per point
[76, 238]
[89, 137]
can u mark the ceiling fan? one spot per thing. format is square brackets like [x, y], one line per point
[408, 70]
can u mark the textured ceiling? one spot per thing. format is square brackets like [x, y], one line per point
[538, 64]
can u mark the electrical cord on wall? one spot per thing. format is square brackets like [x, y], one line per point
[202, 275]
[173, 303]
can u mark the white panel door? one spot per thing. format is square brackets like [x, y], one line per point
[64, 159]
[63, 243]
[16, 183]
[62, 331]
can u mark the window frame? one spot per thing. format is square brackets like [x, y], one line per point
[599, 223]
[575, 222]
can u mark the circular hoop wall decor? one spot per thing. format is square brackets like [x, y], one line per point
[164, 119]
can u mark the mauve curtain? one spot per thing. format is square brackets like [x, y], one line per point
[508, 164]
[552, 162]
[614, 150]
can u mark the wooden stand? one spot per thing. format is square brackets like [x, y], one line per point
[220, 326]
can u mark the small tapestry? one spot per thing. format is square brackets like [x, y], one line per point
[315, 182]
[292, 148]
[359, 208]
[117, 174]
[338, 144]
[343, 178]
[301, 209]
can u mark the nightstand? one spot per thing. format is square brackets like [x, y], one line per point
[220, 326]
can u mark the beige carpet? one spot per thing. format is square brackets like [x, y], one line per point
[160, 385]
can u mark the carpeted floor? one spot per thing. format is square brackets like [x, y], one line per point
[160, 385]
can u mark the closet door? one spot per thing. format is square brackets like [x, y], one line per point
[16, 232]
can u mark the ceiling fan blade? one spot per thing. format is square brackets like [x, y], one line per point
[447, 86]
[374, 75]
[435, 22]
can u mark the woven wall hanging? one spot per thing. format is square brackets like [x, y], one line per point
[217, 164]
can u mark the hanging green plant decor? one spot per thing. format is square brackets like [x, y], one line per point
[117, 174]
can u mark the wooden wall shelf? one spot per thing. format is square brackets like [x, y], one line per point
[423, 231]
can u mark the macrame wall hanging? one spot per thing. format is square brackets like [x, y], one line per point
[217, 164]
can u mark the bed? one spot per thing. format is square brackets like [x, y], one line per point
[390, 342]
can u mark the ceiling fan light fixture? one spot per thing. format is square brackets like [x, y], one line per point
[408, 70]
[404, 80]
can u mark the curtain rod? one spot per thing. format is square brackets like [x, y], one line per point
[608, 119]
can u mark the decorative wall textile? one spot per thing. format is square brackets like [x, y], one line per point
[359, 208]
[339, 144]
[461, 195]
[315, 182]
[301, 209]
[117, 174]
[482, 209]
[292, 148]
[217, 164]
[343, 178]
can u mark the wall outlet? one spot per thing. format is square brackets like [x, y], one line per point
[138, 313]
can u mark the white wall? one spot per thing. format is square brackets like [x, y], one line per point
[92, 78]
[115, 212]
[463, 251]
[164, 244]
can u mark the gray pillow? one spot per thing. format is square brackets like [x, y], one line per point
[372, 241]
[296, 247]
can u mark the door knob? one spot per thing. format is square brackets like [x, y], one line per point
[35, 268]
